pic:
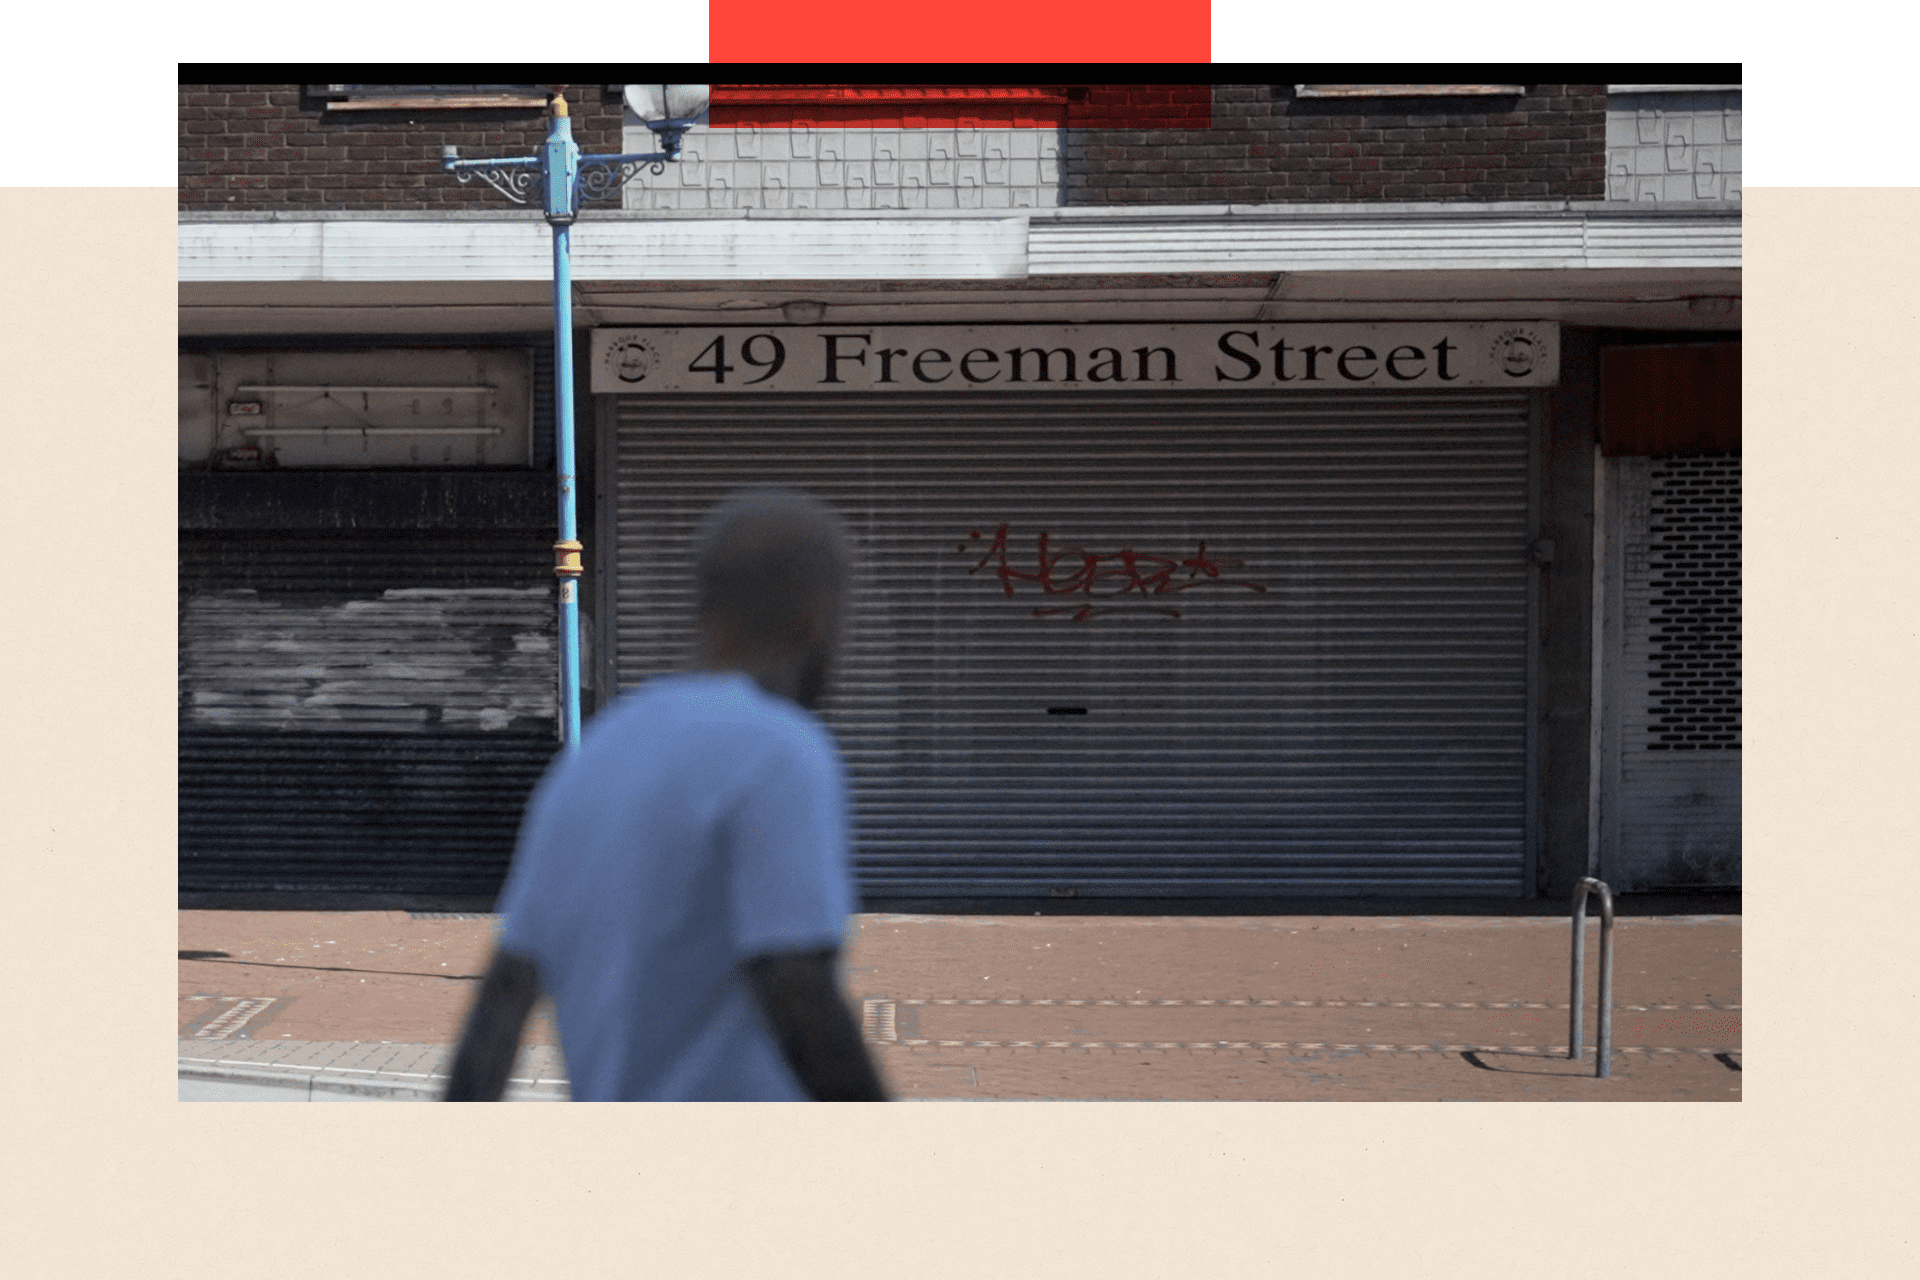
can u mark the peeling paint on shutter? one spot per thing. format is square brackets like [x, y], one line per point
[360, 711]
[1174, 646]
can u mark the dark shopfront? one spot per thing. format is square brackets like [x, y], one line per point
[1117, 641]
[366, 618]
[1667, 775]
[1146, 610]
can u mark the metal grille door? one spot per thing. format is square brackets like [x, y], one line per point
[1169, 646]
[1670, 814]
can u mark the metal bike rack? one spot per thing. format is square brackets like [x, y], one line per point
[1576, 1040]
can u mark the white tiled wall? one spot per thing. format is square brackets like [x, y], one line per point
[1673, 146]
[794, 168]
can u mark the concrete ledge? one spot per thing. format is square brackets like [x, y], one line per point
[308, 1080]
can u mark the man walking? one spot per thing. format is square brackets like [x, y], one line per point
[681, 888]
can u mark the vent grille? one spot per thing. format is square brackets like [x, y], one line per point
[1693, 569]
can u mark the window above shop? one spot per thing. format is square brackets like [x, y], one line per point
[439, 97]
[1407, 90]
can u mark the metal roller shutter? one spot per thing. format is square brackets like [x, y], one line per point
[360, 711]
[1278, 645]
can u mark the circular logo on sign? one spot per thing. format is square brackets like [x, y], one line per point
[1517, 351]
[632, 360]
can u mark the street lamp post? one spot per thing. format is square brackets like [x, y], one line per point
[565, 178]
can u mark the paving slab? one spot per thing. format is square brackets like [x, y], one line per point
[985, 1007]
[348, 1069]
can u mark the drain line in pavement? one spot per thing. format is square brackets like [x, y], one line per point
[879, 1020]
[1314, 1004]
[1298, 1046]
[235, 1018]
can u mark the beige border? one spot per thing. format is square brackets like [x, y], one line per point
[108, 1174]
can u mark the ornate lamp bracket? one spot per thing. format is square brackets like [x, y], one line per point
[513, 179]
[603, 175]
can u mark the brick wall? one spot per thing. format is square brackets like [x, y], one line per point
[269, 147]
[1265, 145]
[260, 147]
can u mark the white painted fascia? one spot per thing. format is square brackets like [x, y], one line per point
[1064, 242]
[383, 250]
[1537, 236]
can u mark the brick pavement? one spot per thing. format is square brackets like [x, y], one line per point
[1014, 1007]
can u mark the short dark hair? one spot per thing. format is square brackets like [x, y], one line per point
[763, 556]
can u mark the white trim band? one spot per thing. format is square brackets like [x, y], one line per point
[1139, 241]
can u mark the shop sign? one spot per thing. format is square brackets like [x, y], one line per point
[1233, 356]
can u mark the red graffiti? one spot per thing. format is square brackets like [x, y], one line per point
[1100, 576]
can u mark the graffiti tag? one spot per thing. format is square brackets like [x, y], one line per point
[1102, 575]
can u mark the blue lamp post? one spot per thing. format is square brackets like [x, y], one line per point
[565, 178]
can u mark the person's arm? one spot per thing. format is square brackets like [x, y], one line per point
[491, 1038]
[800, 999]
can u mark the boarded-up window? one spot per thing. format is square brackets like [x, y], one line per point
[1658, 400]
[1408, 90]
[440, 97]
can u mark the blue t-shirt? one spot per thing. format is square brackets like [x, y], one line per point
[703, 821]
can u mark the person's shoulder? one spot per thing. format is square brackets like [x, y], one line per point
[786, 720]
[715, 707]
[731, 702]
[681, 695]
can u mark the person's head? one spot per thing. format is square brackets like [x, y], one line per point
[771, 572]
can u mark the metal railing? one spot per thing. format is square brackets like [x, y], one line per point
[1576, 1042]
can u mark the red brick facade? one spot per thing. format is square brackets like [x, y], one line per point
[1265, 145]
[256, 147]
[272, 147]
